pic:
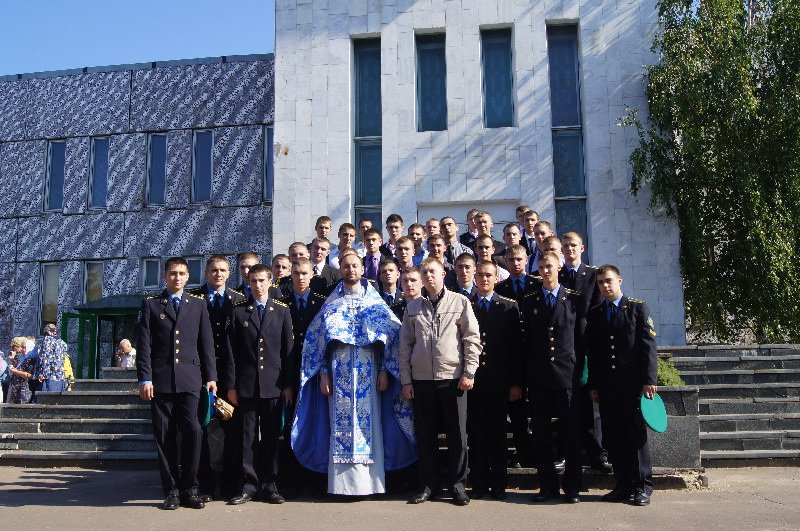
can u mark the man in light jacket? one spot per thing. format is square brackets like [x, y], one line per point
[439, 351]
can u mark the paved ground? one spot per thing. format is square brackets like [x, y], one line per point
[741, 498]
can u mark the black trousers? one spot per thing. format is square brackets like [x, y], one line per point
[230, 479]
[625, 438]
[175, 413]
[518, 415]
[434, 398]
[260, 456]
[561, 403]
[591, 426]
[486, 425]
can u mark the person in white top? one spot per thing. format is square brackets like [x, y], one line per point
[125, 355]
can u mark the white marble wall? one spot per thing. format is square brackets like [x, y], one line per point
[467, 164]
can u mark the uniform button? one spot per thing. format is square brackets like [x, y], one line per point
[483, 334]
[261, 358]
[613, 357]
[483, 363]
[261, 349]
[262, 367]
[219, 324]
[552, 339]
[177, 331]
[177, 341]
[177, 360]
[552, 348]
[613, 366]
[218, 334]
[551, 328]
[302, 334]
[177, 350]
[612, 347]
[611, 337]
[260, 339]
[216, 346]
[553, 358]
[483, 342]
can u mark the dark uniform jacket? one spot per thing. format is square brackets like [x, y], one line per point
[258, 351]
[585, 283]
[299, 327]
[622, 354]
[317, 284]
[176, 353]
[500, 362]
[529, 284]
[219, 321]
[451, 283]
[529, 247]
[552, 338]
[330, 275]
[467, 239]
[398, 296]
[399, 308]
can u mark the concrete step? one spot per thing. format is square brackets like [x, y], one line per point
[117, 373]
[741, 376]
[714, 351]
[726, 363]
[80, 442]
[111, 384]
[53, 411]
[750, 440]
[90, 398]
[727, 458]
[90, 426]
[750, 422]
[39, 458]
[762, 390]
[720, 406]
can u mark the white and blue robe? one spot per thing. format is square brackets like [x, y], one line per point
[357, 433]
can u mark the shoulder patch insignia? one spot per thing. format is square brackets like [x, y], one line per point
[151, 297]
[279, 303]
[240, 303]
[236, 292]
[531, 294]
[590, 266]
[638, 301]
[197, 296]
[505, 298]
[571, 291]
[318, 296]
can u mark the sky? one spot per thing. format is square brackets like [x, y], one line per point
[44, 35]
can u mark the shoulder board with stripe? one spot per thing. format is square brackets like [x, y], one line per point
[279, 303]
[571, 291]
[236, 292]
[531, 294]
[240, 303]
[318, 296]
[505, 298]
[596, 306]
[638, 301]
[150, 297]
[197, 296]
[590, 266]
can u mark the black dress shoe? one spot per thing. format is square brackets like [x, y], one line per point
[422, 496]
[498, 494]
[171, 503]
[193, 502]
[240, 499]
[640, 498]
[477, 494]
[617, 494]
[273, 498]
[572, 498]
[542, 496]
[601, 464]
[206, 498]
[460, 498]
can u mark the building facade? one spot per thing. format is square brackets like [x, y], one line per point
[432, 107]
[107, 171]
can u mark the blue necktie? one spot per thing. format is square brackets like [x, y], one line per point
[519, 288]
[217, 300]
[485, 305]
[551, 300]
[176, 303]
[611, 311]
[260, 311]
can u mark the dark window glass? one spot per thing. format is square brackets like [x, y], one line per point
[99, 190]
[195, 269]
[49, 291]
[368, 173]
[201, 176]
[94, 281]
[498, 90]
[571, 216]
[373, 215]
[568, 162]
[269, 162]
[367, 55]
[562, 51]
[431, 83]
[152, 272]
[55, 176]
[157, 171]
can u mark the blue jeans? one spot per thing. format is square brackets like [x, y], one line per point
[58, 386]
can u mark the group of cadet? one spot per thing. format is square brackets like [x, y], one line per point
[492, 331]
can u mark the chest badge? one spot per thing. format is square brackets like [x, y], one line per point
[247, 323]
[161, 316]
[535, 311]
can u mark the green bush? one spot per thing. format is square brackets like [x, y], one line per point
[668, 375]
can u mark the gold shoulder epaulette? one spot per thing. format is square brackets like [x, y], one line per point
[240, 303]
[531, 294]
[505, 298]
[596, 306]
[236, 292]
[639, 301]
[320, 297]
[571, 291]
[152, 297]
[197, 296]
[279, 303]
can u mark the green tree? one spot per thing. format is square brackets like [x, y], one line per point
[721, 154]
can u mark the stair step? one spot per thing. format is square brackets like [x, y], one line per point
[702, 351]
[69, 458]
[750, 454]
[761, 434]
[75, 426]
[109, 384]
[81, 442]
[37, 411]
[716, 406]
[89, 397]
[741, 376]
[117, 373]
[722, 363]
[762, 390]
[750, 422]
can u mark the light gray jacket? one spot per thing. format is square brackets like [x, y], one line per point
[440, 343]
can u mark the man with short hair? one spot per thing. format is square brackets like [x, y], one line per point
[323, 226]
[484, 224]
[432, 227]
[623, 360]
[388, 280]
[519, 213]
[498, 380]
[528, 240]
[411, 282]
[175, 357]
[374, 254]
[436, 248]
[394, 228]
[257, 361]
[320, 247]
[541, 230]
[363, 225]
[468, 238]
[417, 234]
[220, 301]
[551, 315]
[449, 229]
[439, 353]
[485, 250]
[281, 268]
[346, 235]
[246, 261]
[404, 253]
[462, 278]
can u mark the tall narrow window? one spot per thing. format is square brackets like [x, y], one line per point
[156, 168]
[195, 270]
[367, 134]
[151, 273]
[567, 130]
[93, 286]
[201, 166]
[56, 156]
[431, 83]
[269, 160]
[98, 189]
[49, 293]
[498, 78]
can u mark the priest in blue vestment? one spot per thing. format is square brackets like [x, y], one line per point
[352, 422]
